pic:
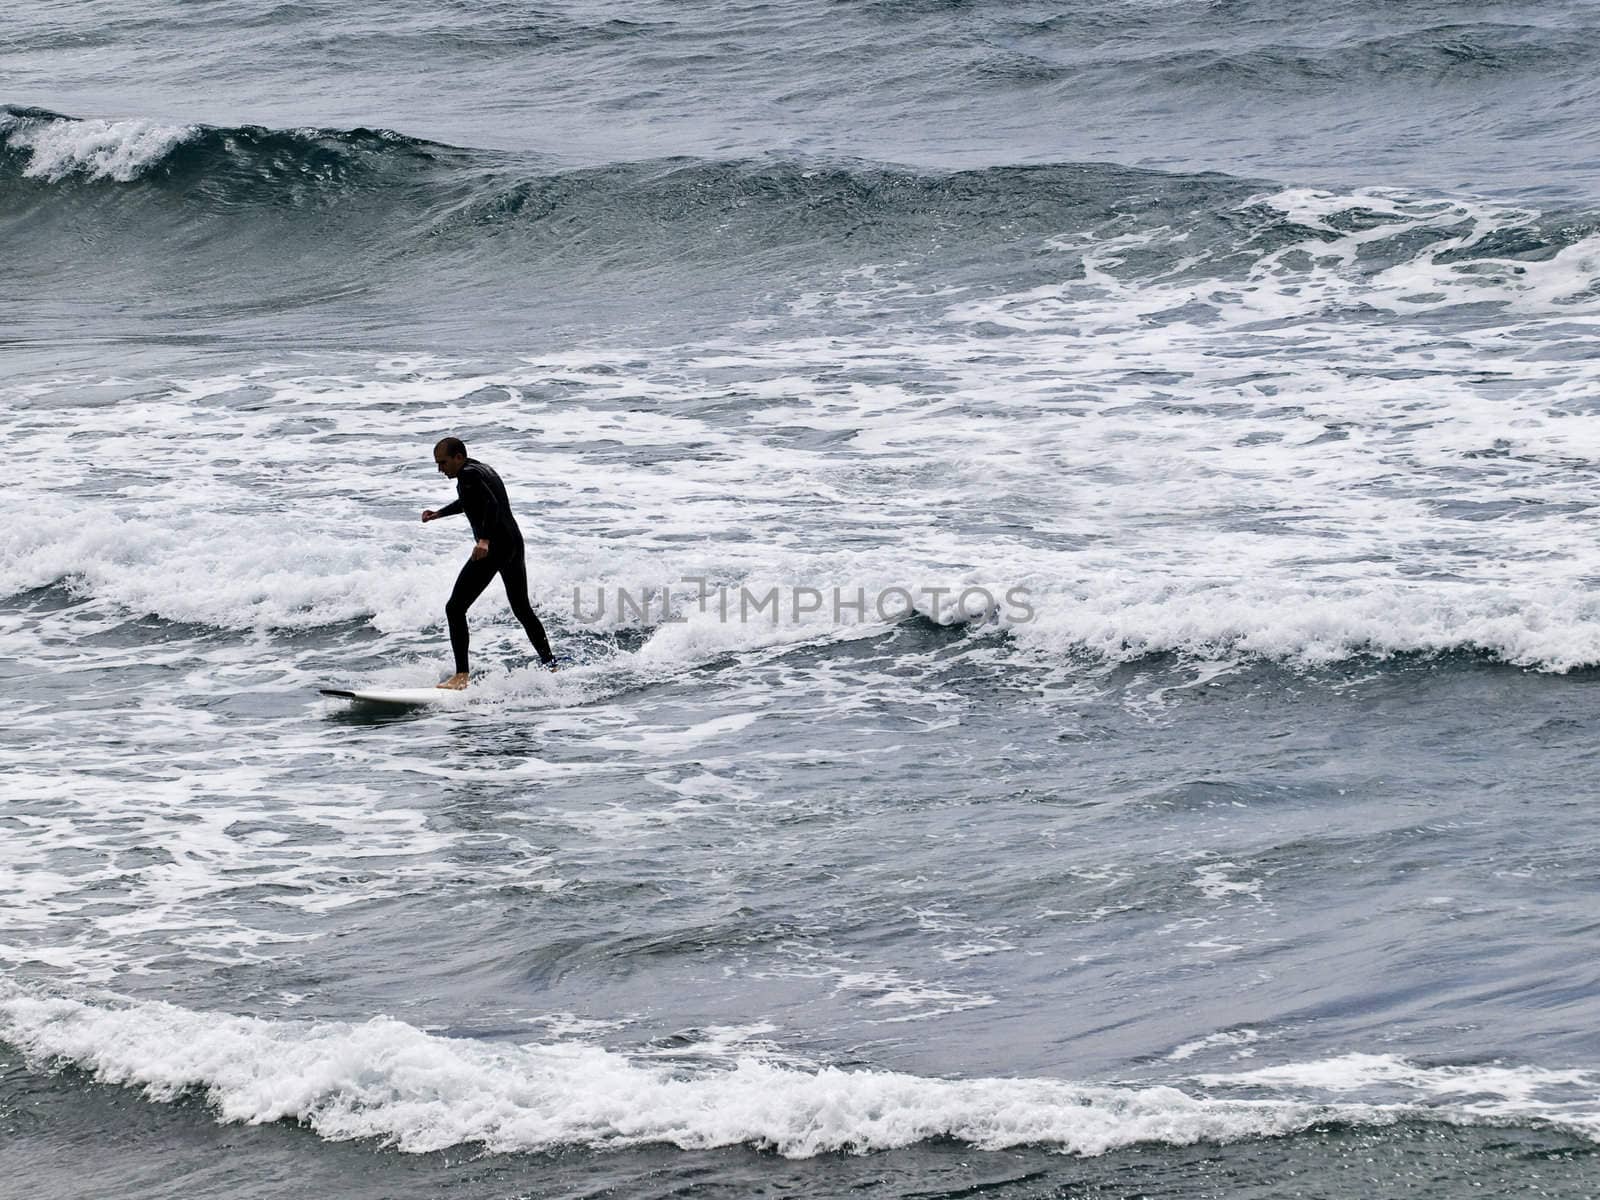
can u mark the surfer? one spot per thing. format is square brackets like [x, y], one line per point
[498, 550]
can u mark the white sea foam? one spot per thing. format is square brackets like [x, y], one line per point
[1149, 507]
[1491, 1093]
[1230, 1038]
[890, 996]
[99, 149]
[1274, 477]
[1213, 881]
[385, 1079]
[112, 878]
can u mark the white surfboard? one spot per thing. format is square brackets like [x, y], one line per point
[398, 697]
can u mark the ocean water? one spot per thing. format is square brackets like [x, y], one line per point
[1074, 530]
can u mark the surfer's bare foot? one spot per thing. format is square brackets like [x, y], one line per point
[456, 682]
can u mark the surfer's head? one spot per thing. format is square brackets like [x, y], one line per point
[450, 455]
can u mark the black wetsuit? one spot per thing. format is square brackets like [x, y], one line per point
[481, 495]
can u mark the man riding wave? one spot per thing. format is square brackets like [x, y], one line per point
[498, 550]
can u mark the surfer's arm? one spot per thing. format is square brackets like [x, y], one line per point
[481, 548]
[449, 510]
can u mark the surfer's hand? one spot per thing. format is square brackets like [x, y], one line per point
[428, 515]
[481, 550]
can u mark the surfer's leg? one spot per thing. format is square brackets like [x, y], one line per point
[474, 577]
[515, 576]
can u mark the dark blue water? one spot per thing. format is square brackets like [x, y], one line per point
[1072, 528]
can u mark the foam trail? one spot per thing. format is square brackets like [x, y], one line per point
[1492, 1093]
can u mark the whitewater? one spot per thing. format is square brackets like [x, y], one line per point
[1209, 388]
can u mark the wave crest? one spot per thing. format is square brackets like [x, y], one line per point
[53, 147]
[385, 1079]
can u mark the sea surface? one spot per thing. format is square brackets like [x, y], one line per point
[1073, 531]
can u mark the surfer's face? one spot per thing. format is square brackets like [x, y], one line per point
[449, 464]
